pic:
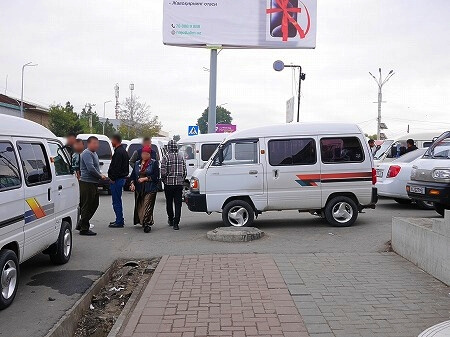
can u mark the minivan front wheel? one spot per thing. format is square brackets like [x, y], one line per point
[63, 249]
[9, 277]
[341, 211]
[238, 213]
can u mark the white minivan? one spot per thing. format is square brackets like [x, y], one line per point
[325, 169]
[197, 150]
[39, 199]
[105, 152]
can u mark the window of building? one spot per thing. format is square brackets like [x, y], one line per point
[9, 168]
[341, 150]
[285, 152]
[35, 164]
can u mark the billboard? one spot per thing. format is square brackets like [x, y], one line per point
[240, 23]
[225, 128]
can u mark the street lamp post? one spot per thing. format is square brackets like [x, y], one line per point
[380, 82]
[104, 115]
[29, 64]
[279, 66]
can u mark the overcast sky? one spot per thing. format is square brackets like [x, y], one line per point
[84, 47]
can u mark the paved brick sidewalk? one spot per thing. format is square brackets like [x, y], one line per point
[216, 295]
[363, 295]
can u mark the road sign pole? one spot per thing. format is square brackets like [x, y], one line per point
[212, 92]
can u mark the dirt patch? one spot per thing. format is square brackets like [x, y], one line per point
[107, 305]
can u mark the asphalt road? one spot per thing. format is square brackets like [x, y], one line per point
[33, 314]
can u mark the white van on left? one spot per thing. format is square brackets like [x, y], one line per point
[39, 198]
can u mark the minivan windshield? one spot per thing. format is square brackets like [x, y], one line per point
[440, 148]
[382, 149]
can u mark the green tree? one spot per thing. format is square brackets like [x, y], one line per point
[374, 137]
[63, 120]
[109, 128]
[223, 116]
[90, 120]
[137, 120]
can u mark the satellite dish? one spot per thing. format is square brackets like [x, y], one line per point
[278, 65]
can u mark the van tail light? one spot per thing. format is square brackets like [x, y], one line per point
[374, 176]
[394, 170]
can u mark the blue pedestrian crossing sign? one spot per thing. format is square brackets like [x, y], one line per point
[193, 130]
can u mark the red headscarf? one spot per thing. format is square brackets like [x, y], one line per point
[146, 149]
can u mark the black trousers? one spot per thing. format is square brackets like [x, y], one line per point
[174, 196]
[89, 201]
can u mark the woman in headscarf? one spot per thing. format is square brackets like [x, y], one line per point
[144, 183]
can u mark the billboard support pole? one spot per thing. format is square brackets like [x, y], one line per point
[212, 92]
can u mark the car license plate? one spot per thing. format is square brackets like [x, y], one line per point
[380, 173]
[417, 189]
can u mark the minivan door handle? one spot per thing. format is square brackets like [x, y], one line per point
[49, 191]
[275, 174]
[191, 164]
[253, 172]
[60, 187]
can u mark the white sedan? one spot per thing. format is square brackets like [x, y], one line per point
[393, 176]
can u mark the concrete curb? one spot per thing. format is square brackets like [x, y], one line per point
[67, 325]
[235, 234]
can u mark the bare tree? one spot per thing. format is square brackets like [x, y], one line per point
[137, 120]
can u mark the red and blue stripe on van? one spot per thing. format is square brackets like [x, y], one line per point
[314, 179]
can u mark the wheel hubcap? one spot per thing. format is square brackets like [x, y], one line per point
[67, 242]
[342, 212]
[238, 216]
[9, 279]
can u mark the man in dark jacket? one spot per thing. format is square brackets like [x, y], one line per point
[117, 173]
[410, 145]
[173, 174]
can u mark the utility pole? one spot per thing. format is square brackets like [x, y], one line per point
[212, 92]
[381, 82]
[279, 66]
[104, 114]
[29, 64]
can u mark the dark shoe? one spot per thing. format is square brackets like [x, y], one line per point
[170, 222]
[175, 227]
[78, 227]
[116, 225]
[88, 233]
[147, 229]
[112, 222]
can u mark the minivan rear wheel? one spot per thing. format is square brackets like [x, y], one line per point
[341, 211]
[9, 277]
[63, 250]
[238, 213]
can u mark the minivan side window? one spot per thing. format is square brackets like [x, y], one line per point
[9, 168]
[238, 153]
[285, 152]
[341, 150]
[62, 167]
[208, 150]
[35, 163]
